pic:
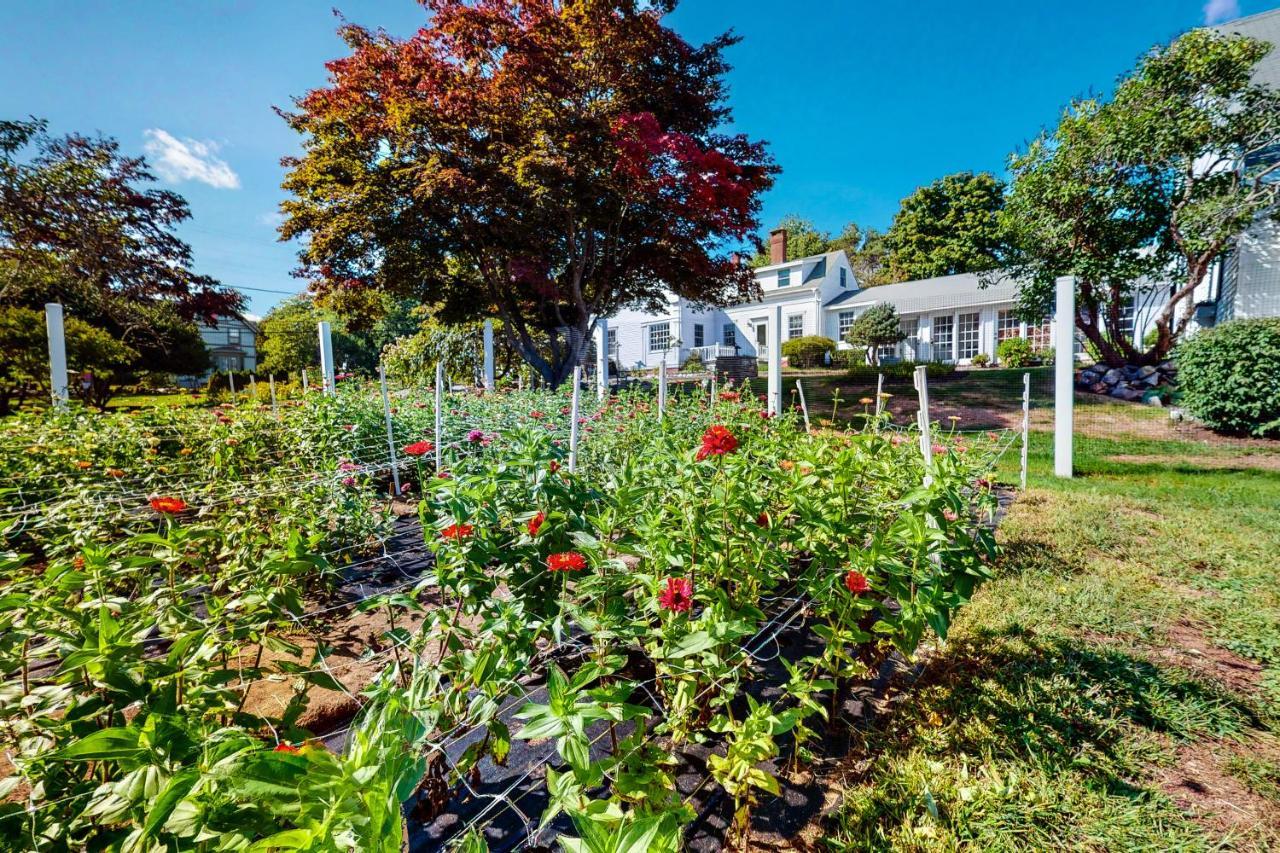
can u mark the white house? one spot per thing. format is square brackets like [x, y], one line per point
[949, 319]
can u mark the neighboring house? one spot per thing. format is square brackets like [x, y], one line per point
[1248, 280]
[232, 343]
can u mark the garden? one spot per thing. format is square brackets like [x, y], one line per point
[223, 628]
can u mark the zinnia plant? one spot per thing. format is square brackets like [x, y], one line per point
[535, 523]
[677, 596]
[568, 561]
[419, 448]
[717, 441]
[457, 532]
[169, 505]
[856, 583]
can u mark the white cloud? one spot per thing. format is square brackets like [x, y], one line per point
[180, 160]
[274, 219]
[1217, 11]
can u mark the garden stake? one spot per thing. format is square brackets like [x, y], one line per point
[1026, 423]
[391, 442]
[573, 421]
[439, 414]
[803, 406]
[275, 409]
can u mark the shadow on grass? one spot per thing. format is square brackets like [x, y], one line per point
[1011, 739]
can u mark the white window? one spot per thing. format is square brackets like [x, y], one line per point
[659, 337]
[784, 277]
[699, 336]
[1127, 312]
[943, 327]
[1007, 326]
[730, 335]
[613, 341]
[795, 326]
[967, 335]
[1040, 335]
[233, 336]
[842, 276]
[845, 321]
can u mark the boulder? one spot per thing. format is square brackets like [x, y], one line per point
[1112, 376]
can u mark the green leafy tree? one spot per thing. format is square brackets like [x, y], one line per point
[79, 226]
[1162, 177]
[102, 363]
[459, 346]
[803, 240]
[290, 339]
[876, 327]
[543, 163]
[950, 226]
[24, 369]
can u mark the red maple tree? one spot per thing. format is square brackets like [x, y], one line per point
[545, 162]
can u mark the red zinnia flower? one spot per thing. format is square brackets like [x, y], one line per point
[856, 583]
[419, 448]
[457, 531]
[569, 561]
[763, 519]
[678, 595]
[717, 441]
[169, 506]
[730, 396]
[554, 466]
[285, 747]
[535, 523]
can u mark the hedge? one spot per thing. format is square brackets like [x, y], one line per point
[1229, 376]
[808, 351]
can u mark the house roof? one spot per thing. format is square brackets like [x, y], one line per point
[928, 294]
[1264, 26]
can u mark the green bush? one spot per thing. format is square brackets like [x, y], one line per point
[901, 370]
[853, 357]
[1015, 352]
[808, 351]
[1229, 376]
[693, 364]
[980, 360]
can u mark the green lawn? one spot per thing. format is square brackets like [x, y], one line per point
[137, 401]
[1117, 687]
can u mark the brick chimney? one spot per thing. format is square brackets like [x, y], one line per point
[778, 246]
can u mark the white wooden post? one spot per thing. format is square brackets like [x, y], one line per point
[775, 361]
[391, 441]
[803, 406]
[602, 358]
[326, 357]
[57, 353]
[879, 393]
[304, 380]
[573, 419]
[488, 356]
[1064, 376]
[662, 389]
[231, 380]
[922, 420]
[1026, 423]
[439, 414]
[275, 409]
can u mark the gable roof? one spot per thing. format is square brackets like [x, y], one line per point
[926, 294]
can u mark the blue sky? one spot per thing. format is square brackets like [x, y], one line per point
[861, 102]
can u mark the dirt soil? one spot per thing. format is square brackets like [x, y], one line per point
[1200, 784]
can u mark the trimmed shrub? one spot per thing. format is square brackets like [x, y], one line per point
[1229, 376]
[693, 364]
[851, 358]
[900, 370]
[808, 351]
[1015, 352]
[980, 360]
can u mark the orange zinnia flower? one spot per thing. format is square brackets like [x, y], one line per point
[169, 506]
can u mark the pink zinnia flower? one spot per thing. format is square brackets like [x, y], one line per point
[677, 596]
